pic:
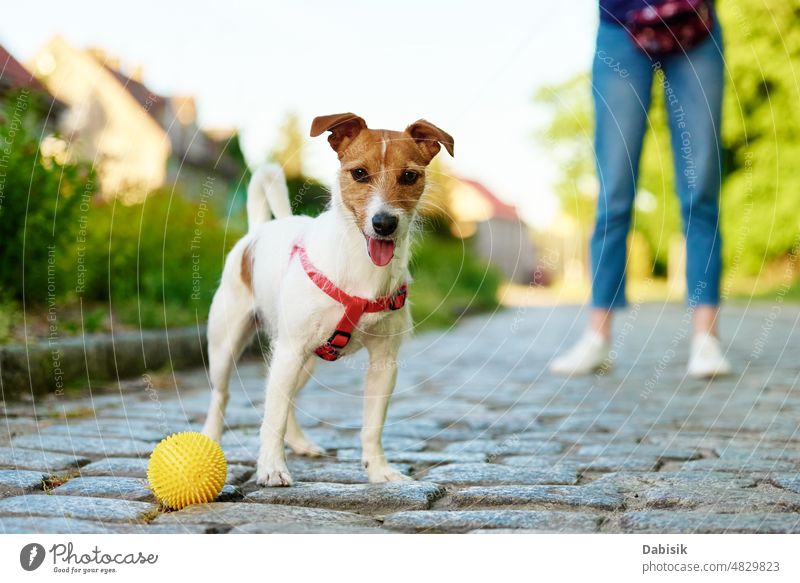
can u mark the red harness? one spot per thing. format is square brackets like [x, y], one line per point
[353, 306]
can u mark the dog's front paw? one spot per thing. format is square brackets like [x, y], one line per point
[273, 476]
[384, 473]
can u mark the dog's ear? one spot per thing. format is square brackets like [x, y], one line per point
[429, 138]
[344, 127]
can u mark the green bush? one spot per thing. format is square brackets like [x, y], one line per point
[449, 281]
[39, 203]
[156, 263]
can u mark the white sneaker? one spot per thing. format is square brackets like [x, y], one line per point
[589, 354]
[706, 358]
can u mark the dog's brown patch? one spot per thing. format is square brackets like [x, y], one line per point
[385, 156]
[246, 271]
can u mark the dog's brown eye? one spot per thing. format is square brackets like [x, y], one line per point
[408, 177]
[359, 175]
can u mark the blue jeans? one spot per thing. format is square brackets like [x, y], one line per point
[622, 79]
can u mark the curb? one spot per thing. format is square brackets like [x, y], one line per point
[47, 367]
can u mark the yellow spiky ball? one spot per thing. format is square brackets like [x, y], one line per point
[187, 468]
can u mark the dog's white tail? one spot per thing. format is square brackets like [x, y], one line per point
[267, 196]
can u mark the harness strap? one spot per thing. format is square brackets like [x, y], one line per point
[354, 306]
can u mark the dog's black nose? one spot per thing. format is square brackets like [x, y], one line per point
[384, 224]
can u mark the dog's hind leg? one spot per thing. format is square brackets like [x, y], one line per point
[295, 438]
[231, 325]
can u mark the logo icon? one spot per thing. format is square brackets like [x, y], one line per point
[31, 556]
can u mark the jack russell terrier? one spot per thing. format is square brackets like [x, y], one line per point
[324, 287]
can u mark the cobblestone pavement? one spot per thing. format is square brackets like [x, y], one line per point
[495, 443]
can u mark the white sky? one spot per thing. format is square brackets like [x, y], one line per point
[470, 67]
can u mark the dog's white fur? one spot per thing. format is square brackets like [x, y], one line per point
[299, 317]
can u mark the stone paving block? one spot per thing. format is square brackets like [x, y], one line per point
[87, 446]
[324, 470]
[741, 465]
[238, 474]
[102, 430]
[121, 466]
[98, 509]
[230, 493]
[293, 528]
[639, 449]
[44, 461]
[15, 482]
[11, 426]
[417, 457]
[388, 497]
[238, 513]
[572, 496]
[423, 434]
[241, 454]
[106, 487]
[477, 474]
[466, 520]
[630, 482]
[759, 452]
[169, 415]
[789, 482]
[51, 525]
[336, 441]
[662, 521]
[760, 499]
[582, 464]
[510, 446]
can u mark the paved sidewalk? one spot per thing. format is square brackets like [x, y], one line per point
[495, 442]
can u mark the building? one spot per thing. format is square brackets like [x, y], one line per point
[199, 156]
[139, 140]
[105, 123]
[499, 235]
[16, 79]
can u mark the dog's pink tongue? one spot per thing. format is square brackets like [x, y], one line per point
[381, 251]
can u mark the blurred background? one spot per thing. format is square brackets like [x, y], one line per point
[127, 135]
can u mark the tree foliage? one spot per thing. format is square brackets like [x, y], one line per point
[40, 198]
[761, 142]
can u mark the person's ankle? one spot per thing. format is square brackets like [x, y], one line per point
[706, 332]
